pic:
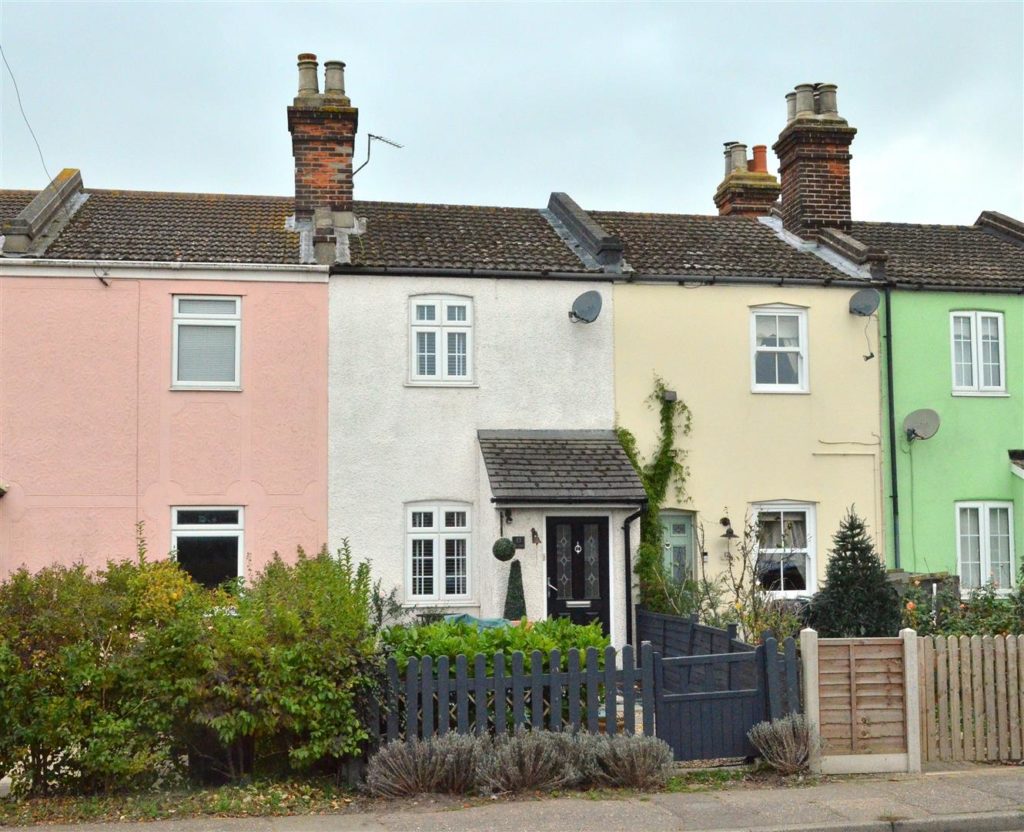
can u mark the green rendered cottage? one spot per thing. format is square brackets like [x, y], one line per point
[952, 319]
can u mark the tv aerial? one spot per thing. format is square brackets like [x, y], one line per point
[586, 308]
[370, 139]
[921, 424]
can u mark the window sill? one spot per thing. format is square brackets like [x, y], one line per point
[463, 384]
[981, 394]
[790, 595]
[782, 391]
[196, 388]
[439, 602]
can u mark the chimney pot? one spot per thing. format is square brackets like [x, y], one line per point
[728, 157]
[738, 154]
[790, 106]
[760, 164]
[307, 74]
[804, 100]
[334, 78]
[827, 100]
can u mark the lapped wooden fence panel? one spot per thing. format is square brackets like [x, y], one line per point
[863, 694]
[973, 707]
[427, 699]
[861, 690]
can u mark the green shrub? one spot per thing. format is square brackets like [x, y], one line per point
[293, 665]
[452, 638]
[857, 600]
[108, 679]
[93, 669]
[983, 612]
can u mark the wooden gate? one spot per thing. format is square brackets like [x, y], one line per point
[862, 693]
[705, 705]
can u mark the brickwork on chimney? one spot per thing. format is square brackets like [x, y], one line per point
[748, 189]
[814, 163]
[323, 144]
[323, 127]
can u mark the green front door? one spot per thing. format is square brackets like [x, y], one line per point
[677, 539]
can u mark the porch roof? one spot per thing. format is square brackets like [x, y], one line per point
[559, 466]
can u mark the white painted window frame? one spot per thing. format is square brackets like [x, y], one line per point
[978, 388]
[803, 369]
[197, 319]
[210, 530]
[984, 507]
[439, 534]
[810, 524]
[441, 327]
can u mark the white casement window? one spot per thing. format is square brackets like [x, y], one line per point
[437, 552]
[207, 340]
[778, 349]
[207, 542]
[978, 352]
[441, 340]
[786, 562]
[984, 534]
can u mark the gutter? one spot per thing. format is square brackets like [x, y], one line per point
[589, 277]
[153, 270]
[540, 501]
[893, 448]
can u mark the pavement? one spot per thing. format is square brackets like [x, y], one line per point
[979, 799]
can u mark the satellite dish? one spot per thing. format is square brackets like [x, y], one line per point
[864, 302]
[921, 424]
[586, 308]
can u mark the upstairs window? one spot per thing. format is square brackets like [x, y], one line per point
[778, 336]
[441, 340]
[985, 545]
[207, 336]
[978, 352]
[437, 552]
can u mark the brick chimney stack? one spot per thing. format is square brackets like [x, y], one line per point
[323, 128]
[748, 189]
[814, 162]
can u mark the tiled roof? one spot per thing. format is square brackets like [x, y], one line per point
[11, 202]
[709, 246]
[211, 228]
[459, 236]
[966, 256]
[570, 466]
[179, 227]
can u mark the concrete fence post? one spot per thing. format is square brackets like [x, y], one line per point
[911, 698]
[812, 707]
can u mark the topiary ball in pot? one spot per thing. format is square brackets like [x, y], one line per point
[504, 549]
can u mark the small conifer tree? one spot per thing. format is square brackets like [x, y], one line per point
[857, 600]
[515, 601]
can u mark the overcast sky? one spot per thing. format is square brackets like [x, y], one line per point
[623, 106]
